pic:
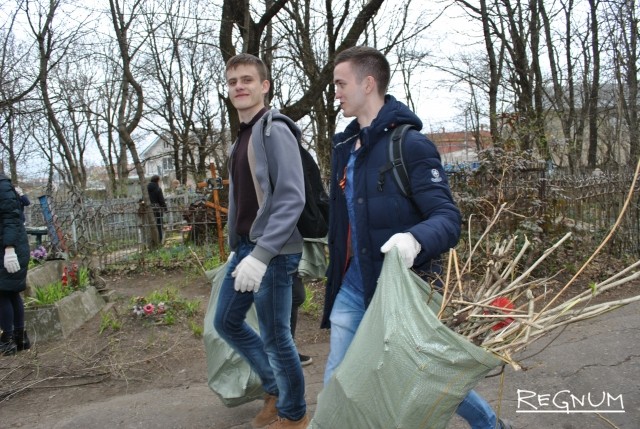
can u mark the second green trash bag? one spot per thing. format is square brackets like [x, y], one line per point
[404, 368]
[229, 375]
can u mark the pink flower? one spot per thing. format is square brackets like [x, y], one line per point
[148, 309]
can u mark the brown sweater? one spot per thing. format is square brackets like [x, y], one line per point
[244, 191]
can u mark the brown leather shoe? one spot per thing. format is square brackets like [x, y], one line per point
[268, 413]
[283, 423]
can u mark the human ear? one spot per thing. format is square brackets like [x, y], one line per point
[370, 84]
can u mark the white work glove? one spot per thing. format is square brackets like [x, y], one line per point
[408, 247]
[11, 263]
[248, 274]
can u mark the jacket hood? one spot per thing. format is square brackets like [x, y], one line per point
[392, 114]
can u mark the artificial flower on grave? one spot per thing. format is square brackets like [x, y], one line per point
[73, 276]
[137, 310]
[39, 254]
[149, 309]
[502, 303]
[143, 308]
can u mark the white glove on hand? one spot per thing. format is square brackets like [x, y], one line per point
[11, 263]
[407, 245]
[249, 274]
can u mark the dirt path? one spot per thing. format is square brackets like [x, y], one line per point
[143, 359]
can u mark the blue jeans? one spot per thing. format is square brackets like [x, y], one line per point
[272, 354]
[346, 315]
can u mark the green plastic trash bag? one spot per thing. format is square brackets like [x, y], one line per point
[313, 263]
[229, 375]
[404, 369]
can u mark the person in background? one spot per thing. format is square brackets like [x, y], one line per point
[176, 187]
[370, 215]
[24, 200]
[158, 204]
[266, 198]
[14, 254]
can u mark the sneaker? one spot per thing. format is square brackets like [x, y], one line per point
[268, 413]
[282, 423]
[305, 360]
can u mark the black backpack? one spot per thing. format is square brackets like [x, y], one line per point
[314, 219]
[396, 161]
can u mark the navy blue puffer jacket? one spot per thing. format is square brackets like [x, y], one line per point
[12, 233]
[431, 215]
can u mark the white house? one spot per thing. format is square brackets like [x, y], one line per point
[158, 158]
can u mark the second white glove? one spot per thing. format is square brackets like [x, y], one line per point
[407, 245]
[11, 263]
[249, 274]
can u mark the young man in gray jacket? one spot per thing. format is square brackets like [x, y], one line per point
[266, 197]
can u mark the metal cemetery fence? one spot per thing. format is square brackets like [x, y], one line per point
[112, 231]
[549, 205]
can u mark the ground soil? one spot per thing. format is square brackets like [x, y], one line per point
[141, 355]
[97, 362]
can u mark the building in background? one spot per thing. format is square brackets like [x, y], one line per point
[459, 148]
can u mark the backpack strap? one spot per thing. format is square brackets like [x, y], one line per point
[396, 161]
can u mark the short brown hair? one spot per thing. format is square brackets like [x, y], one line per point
[367, 61]
[251, 60]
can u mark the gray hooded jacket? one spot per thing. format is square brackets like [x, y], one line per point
[276, 168]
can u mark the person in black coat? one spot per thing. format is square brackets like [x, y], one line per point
[14, 256]
[24, 200]
[158, 204]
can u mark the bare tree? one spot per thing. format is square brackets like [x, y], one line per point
[54, 47]
[594, 90]
[99, 102]
[131, 103]
[564, 75]
[495, 45]
[313, 47]
[18, 75]
[13, 144]
[178, 47]
[624, 33]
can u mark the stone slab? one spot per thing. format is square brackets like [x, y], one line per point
[44, 274]
[62, 318]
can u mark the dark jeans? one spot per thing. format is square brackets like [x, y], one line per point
[11, 311]
[158, 216]
[272, 353]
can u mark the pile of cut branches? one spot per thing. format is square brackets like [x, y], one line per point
[495, 302]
